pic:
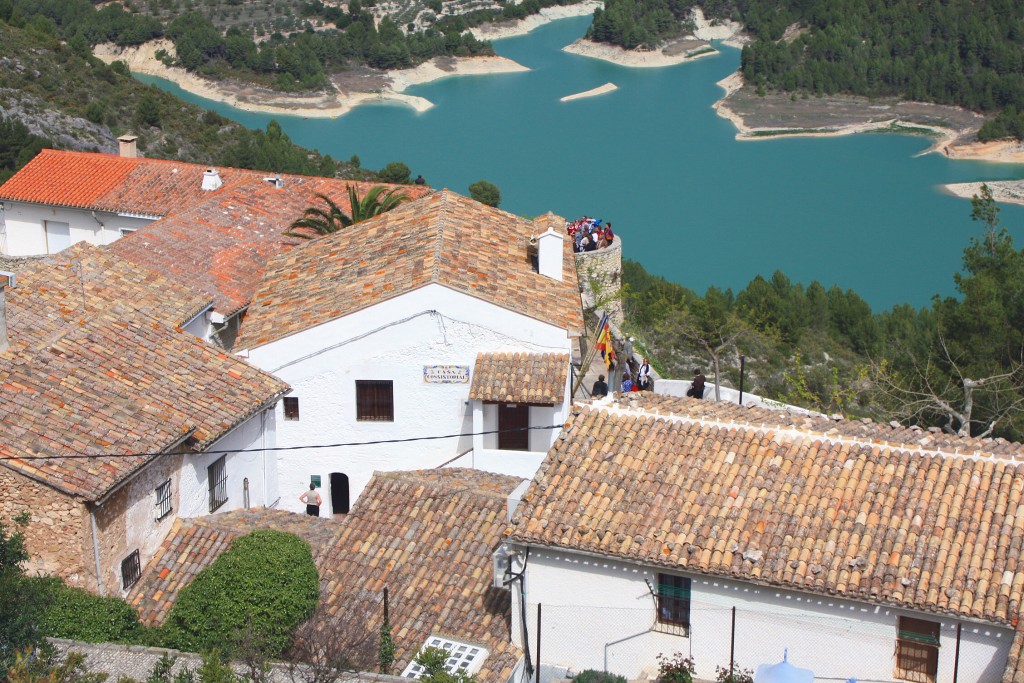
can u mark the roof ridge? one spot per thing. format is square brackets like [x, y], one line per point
[794, 431]
[442, 221]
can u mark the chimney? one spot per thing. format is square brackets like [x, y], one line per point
[6, 280]
[549, 254]
[275, 181]
[126, 146]
[211, 179]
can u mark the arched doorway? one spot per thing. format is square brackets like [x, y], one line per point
[339, 493]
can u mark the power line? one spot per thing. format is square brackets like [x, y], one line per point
[344, 444]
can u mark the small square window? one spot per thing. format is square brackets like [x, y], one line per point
[375, 400]
[131, 570]
[917, 650]
[291, 408]
[126, 231]
[163, 499]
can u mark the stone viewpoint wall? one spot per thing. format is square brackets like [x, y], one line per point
[600, 275]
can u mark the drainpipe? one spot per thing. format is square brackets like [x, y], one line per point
[263, 453]
[96, 551]
[6, 280]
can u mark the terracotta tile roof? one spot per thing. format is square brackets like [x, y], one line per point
[86, 281]
[112, 376]
[737, 492]
[428, 537]
[442, 238]
[1014, 671]
[104, 182]
[193, 544]
[221, 245]
[520, 377]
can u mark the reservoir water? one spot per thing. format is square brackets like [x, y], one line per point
[864, 212]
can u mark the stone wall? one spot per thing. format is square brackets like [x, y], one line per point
[600, 275]
[127, 521]
[57, 537]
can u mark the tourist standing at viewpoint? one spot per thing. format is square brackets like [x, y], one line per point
[312, 500]
[697, 387]
[643, 376]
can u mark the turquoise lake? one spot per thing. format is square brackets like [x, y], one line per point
[864, 212]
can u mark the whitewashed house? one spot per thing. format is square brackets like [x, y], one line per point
[208, 229]
[442, 318]
[870, 552]
[114, 421]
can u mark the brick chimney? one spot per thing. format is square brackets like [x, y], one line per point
[6, 280]
[126, 146]
[549, 254]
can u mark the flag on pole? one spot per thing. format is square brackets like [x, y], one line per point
[604, 342]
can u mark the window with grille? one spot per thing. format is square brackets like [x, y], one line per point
[163, 499]
[131, 570]
[217, 474]
[291, 408]
[375, 400]
[917, 650]
[674, 601]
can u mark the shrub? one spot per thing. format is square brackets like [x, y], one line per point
[396, 172]
[77, 614]
[485, 192]
[675, 669]
[265, 585]
[739, 675]
[594, 676]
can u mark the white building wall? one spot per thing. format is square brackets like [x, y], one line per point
[257, 466]
[392, 340]
[601, 614]
[23, 233]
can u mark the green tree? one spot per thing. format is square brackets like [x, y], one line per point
[485, 193]
[148, 112]
[433, 659]
[23, 600]
[324, 221]
[396, 173]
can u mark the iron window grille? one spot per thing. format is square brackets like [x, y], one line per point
[674, 603]
[917, 650]
[217, 474]
[163, 500]
[375, 400]
[131, 570]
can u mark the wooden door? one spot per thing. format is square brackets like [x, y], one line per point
[513, 421]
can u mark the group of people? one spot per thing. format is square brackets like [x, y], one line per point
[588, 234]
[644, 382]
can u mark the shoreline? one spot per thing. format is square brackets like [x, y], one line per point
[1005, 191]
[520, 27]
[142, 60]
[635, 58]
[943, 137]
[593, 92]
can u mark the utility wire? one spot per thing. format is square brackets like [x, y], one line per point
[345, 444]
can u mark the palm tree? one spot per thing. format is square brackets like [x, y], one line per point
[324, 221]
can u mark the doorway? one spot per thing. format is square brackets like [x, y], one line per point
[513, 424]
[339, 493]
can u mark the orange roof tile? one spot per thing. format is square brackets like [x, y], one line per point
[769, 497]
[67, 178]
[537, 378]
[442, 238]
[96, 368]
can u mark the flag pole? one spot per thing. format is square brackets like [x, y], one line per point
[590, 356]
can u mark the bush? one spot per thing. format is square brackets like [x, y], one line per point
[739, 675]
[396, 172]
[594, 676]
[675, 669]
[485, 193]
[77, 614]
[264, 586]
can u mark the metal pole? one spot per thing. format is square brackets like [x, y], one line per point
[742, 363]
[956, 657]
[538, 644]
[732, 636]
[385, 604]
